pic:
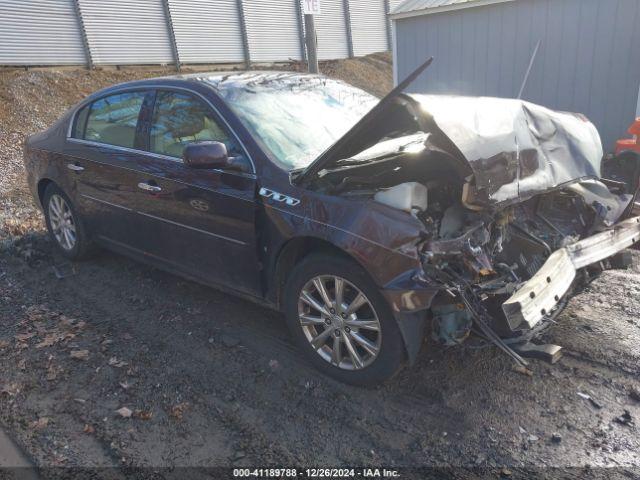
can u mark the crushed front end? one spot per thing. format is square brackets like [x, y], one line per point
[533, 218]
[511, 199]
[508, 271]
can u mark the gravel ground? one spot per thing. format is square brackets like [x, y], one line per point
[119, 364]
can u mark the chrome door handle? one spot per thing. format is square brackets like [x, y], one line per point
[74, 167]
[149, 188]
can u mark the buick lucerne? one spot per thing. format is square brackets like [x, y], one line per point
[371, 224]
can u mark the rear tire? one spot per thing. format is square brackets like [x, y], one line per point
[341, 322]
[65, 226]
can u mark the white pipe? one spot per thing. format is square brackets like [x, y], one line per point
[394, 53]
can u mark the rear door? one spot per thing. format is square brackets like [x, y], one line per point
[103, 157]
[200, 221]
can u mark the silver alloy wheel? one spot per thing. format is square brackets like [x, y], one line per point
[62, 224]
[340, 322]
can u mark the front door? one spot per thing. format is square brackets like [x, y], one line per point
[201, 221]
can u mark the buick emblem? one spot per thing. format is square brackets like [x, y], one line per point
[199, 204]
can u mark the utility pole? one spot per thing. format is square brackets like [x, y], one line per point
[311, 42]
[311, 8]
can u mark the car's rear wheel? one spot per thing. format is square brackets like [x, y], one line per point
[65, 225]
[341, 322]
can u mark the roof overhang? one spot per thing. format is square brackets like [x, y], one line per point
[445, 8]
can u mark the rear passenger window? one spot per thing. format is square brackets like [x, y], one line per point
[113, 120]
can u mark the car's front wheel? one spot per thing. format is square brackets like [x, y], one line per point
[65, 225]
[341, 322]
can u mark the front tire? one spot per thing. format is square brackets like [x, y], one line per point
[341, 321]
[64, 224]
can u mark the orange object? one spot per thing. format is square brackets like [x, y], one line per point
[630, 143]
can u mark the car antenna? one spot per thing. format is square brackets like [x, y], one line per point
[526, 75]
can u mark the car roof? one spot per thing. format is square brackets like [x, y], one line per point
[218, 80]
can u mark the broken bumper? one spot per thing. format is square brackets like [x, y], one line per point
[541, 295]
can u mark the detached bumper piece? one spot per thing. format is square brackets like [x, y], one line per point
[549, 353]
[541, 294]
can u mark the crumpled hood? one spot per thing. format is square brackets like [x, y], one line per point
[516, 149]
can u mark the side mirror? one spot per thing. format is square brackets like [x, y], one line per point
[206, 154]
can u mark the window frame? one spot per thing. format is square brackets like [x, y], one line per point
[78, 116]
[89, 106]
[144, 125]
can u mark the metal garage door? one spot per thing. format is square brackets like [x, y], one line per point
[273, 28]
[368, 26]
[207, 30]
[331, 29]
[127, 31]
[40, 32]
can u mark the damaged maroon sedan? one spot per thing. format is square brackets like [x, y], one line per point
[371, 224]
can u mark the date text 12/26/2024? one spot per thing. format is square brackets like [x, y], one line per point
[315, 473]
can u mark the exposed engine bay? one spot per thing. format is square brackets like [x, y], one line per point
[511, 202]
[485, 256]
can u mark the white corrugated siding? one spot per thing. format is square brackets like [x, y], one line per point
[368, 26]
[331, 30]
[119, 32]
[127, 31]
[273, 30]
[207, 31]
[40, 32]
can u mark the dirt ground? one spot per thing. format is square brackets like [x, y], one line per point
[121, 365]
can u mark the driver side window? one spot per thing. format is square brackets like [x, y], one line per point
[180, 119]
